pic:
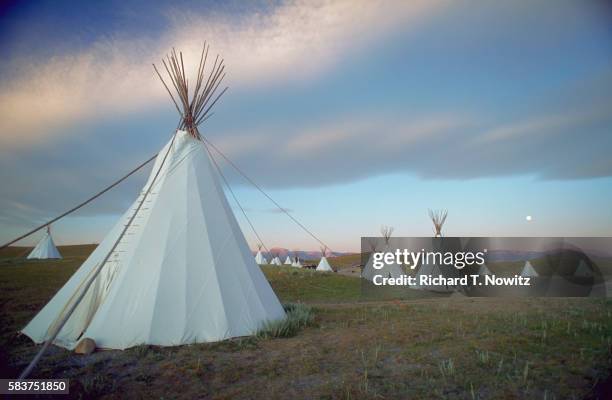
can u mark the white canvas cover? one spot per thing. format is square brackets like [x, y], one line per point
[183, 273]
[275, 261]
[324, 265]
[296, 263]
[583, 270]
[484, 270]
[387, 271]
[528, 270]
[288, 261]
[45, 248]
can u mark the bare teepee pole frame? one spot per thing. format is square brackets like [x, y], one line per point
[386, 232]
[193, 108]
[438, 217]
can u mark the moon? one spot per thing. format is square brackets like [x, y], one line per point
[528, 218]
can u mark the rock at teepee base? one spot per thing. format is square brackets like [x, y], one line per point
[86, 346]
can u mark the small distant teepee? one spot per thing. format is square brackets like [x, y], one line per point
[529, 271]
[45, 248]
[323, 264]
[438, 217]
[288, 260]
[296, 261]
[259, 257]
[275, 260]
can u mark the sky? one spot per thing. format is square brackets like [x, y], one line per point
[350, 114]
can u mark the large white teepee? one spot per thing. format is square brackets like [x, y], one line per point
[529, 271]
[583, 270]
[288, 260]
[45, 248]
[324, 264]
[388, 270]
[182, 272]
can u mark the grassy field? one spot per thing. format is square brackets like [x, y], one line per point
[442, 347]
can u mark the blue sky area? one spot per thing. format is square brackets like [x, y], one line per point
[351, 114]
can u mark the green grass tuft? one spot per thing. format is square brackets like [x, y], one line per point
[298, 316]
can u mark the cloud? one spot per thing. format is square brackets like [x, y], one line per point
[372, 131]
[344, 149]
[543, 125]
[68, 89]
[293, 42]
[558, 143]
